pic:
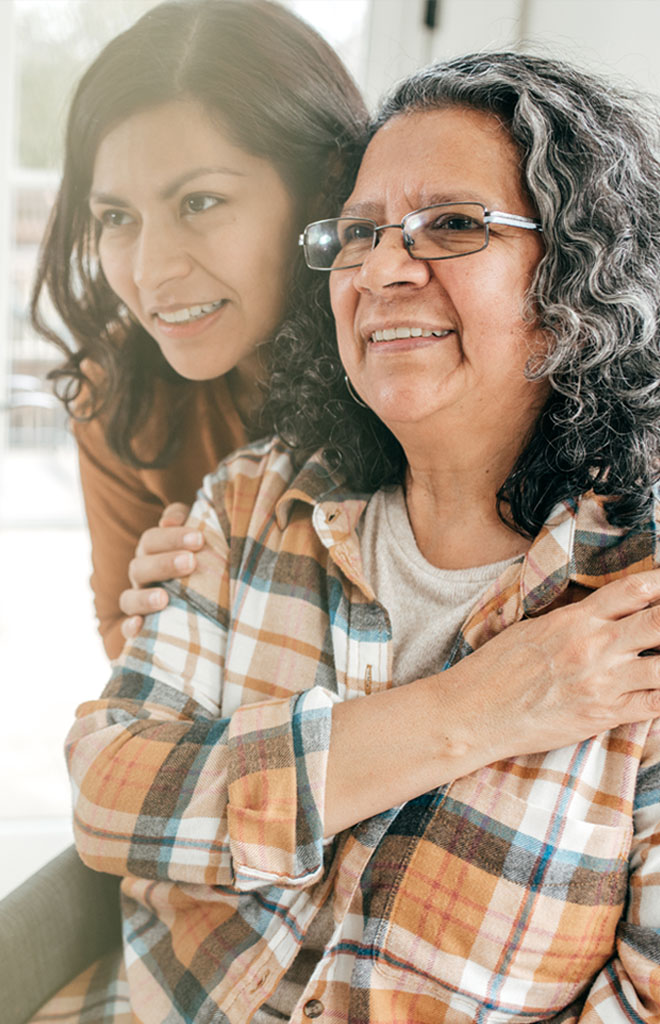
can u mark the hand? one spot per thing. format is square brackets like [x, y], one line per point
[567, 675]
[164, 552]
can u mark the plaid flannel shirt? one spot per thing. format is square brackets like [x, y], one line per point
[528, 890]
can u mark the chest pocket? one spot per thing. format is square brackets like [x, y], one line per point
[502, 909]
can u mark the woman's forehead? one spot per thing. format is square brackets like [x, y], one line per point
[433, 156]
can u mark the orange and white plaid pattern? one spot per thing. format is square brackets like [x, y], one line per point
[526, 891]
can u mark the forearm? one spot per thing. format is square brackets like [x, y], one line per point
[537, 686]
[119, 509]
[391, 747]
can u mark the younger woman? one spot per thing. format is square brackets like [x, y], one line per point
[198, 144]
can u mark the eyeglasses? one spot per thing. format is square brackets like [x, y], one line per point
[440, 232]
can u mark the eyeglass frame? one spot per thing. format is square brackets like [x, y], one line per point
[513, 220]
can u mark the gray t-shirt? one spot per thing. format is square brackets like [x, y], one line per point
[427, 606]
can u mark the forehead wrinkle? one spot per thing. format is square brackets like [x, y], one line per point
[372, 210]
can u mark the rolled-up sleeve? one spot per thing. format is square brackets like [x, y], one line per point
[168, 786]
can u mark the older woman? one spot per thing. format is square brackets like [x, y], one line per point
[291, 852]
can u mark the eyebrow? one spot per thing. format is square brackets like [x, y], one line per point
[172, 187]
[368, 208]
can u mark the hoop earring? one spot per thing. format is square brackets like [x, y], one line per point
[351, 390]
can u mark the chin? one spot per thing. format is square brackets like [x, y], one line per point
[195, 368]
[402, 404]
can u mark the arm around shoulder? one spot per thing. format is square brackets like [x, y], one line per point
[184, 774]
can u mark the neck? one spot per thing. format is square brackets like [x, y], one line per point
[451, 495]
[243, 383]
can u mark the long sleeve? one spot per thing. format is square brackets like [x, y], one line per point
[121, 502]
[179, 774]
[119, 508]
[627, 989]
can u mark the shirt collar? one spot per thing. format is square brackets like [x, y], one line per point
[578, 545]
[316, 484]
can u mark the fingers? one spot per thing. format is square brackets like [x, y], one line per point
[642, 705]
[144, 570]
[625, 596]
[131, 627]
[175, 514]
[142, 602]
[169, 538]
[164, 552]
[641, 632]
[626, 611]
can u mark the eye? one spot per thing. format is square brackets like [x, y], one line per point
[200, 202]
[455, 222]
[113, 218]
[355, 232]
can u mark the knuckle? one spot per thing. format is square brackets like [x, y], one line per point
[133, 567]
[652, 671]
[654, 616]
[637, 586]
[148, 539]
[174, 515]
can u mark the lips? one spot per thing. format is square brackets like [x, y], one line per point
[188, 314]
[396, 333]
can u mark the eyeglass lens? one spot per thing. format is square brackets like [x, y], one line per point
[437, 232]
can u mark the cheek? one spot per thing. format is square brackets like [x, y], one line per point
[343, 300]
[115, 269]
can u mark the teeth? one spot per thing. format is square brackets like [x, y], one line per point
[406, 332]
[182, 316]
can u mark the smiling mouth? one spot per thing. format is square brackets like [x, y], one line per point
[394, 333]
[190, 313]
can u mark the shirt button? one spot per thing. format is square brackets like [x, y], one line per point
[313, 1008]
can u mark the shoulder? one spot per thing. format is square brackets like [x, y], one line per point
[253, 466]
[248, 484]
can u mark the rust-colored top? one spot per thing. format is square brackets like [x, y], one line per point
[121, 502]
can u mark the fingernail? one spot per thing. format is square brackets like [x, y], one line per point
[133, 625]
[184, 562]
[193, 540]
[157, 599]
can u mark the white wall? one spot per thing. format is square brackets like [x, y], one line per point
[614, 37]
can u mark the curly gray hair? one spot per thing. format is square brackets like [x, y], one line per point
[590, 160]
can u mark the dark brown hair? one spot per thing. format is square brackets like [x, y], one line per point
[280, 92]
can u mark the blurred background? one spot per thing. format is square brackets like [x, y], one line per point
[50, 655]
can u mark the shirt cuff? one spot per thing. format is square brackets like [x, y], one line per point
[278, 757]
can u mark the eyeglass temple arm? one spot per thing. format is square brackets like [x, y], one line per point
[513, 220]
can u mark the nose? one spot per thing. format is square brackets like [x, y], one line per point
[159, 255]
[390, 264]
